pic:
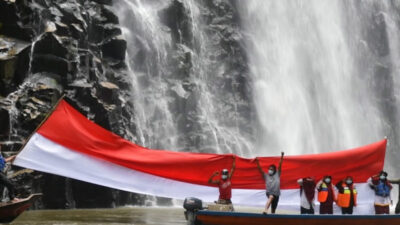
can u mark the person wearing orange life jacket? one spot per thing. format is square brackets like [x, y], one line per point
[326, 195]
[347, 197]
[224, 185]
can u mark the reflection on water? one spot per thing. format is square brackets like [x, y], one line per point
[126, 215]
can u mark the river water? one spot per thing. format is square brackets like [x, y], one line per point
[125, 215]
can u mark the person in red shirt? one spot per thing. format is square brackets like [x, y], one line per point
[224, 184]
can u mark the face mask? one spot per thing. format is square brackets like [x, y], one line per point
[382, 177]
[271, 172]
[224, 177]
[349, 181]
[327, 180]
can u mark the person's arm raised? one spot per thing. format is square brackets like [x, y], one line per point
[280, 163]
[233, 167]
[395, 181]
[260, 168]
[211, 181]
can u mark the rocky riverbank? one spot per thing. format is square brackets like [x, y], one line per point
[49, 48]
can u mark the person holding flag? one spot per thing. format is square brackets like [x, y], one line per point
[3, 177]
[382, 188]
[397, 209]
[347, 197]
[326, 195]
[224, 184]
[272, 184]
[307, 194]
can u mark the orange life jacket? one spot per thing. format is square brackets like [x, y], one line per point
[344, 198]
[323, 193]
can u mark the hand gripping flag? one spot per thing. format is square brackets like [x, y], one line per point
[70, 145]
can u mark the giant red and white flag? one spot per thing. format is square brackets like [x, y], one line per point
[70, 145]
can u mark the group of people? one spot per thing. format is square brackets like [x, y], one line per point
[343, 193]
[272, 181]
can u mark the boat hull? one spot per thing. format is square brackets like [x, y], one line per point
[11, 210]
[236, 218]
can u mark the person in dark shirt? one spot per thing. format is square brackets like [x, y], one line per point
[3, 177]
[307, 194]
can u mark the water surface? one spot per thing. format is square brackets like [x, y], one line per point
[126, 215]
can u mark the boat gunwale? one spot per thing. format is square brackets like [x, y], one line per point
[303, 216]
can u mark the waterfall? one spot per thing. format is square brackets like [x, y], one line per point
[313, 76]
[323, 72]
[148, 44]
[182, 98]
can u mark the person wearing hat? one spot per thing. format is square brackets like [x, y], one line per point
[224, 184]
[272, 184]
[3, 177]
[382, 188]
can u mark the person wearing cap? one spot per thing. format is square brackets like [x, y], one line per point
[382, 188]
[272, 184]
[224, 184]
[326, 195]
[307, 194]
[347, 196]
[3, 177]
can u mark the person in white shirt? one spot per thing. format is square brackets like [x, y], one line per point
[307, 194]
[382, 188]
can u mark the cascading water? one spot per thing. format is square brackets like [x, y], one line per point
[180, 97]
[321, 73]
[148, 48]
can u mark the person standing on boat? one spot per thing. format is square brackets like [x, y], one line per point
[224, 184]
[397, 209]
[307, 194]
[3, 177]
[382, 188]
[326, 195]
[272, 183]
[347, 197]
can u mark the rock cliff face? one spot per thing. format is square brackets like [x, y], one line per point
[49, 48]
[76, 48]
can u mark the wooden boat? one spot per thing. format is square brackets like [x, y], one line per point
[11, 210]
[205, 217]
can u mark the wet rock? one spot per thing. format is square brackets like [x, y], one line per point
[76, 53]
[14, 63]
[176, 17]
[50, 44]
[11, 23]
[115, 48]
[4, 118]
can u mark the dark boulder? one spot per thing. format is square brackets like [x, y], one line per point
[114, 49]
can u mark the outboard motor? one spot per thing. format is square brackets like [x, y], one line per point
[192, 205]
